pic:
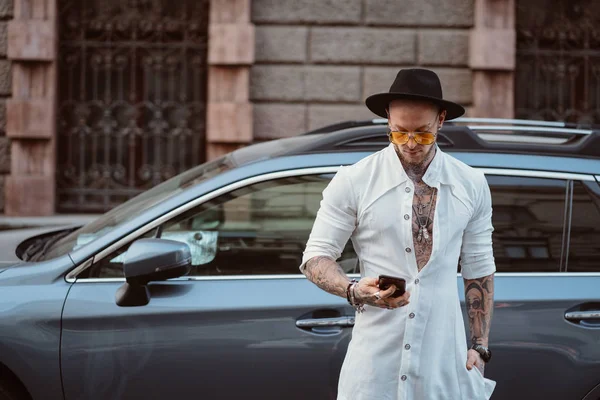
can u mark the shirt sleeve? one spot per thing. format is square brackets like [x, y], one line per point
[477, 255]
[335, 221]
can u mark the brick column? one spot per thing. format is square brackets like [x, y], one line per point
[492, 58]
[31, 113]
[230, 55]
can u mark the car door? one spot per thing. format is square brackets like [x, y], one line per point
[243, 324]
[543, 345]
[581, 282]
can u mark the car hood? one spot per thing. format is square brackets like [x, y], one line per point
[10, 239]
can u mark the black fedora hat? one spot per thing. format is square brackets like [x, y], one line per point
[414, 84]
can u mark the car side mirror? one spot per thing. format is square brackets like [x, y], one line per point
[149, 260]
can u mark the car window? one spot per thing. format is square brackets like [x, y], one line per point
[135, 206]
[261, 229]
[584, 241]
[528, 218]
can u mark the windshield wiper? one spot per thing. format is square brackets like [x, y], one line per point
[32, 249]
[41, 246]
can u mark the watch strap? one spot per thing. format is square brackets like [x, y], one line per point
[484, 352]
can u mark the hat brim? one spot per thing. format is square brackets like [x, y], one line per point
[378, 103]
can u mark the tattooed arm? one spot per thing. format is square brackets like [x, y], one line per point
[477, 268]
[479, 299]
[327, 274]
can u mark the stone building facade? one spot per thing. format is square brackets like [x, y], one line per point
[316, 61]
[275, 68]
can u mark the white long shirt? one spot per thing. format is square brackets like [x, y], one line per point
[416, 352]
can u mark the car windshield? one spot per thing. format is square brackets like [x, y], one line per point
[60, 245]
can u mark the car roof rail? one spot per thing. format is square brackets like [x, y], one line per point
[525, 122]
[526, 131]
[346, 125]
[470, 134]
[481, 124]
[532, 140]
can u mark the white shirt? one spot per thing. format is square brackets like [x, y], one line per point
[416, 352]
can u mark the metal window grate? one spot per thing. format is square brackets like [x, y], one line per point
[132, 97]
[557, 75]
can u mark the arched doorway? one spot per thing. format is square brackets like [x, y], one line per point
[132, 97]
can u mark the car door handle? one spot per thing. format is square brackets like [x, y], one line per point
[325, 322]
[579, 315]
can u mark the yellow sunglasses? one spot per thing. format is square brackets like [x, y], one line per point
[424, 138]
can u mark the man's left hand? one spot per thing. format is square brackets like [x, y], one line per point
[474, 359]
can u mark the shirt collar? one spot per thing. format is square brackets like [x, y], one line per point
[395, 174]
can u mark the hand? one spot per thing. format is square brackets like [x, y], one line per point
[367, 290]
[474, 359]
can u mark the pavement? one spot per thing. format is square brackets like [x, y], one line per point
[7, 223]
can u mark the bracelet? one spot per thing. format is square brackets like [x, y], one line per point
[359, 307]
[352, 282]
[352, 298]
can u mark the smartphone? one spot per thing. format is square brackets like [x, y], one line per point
[385, 281]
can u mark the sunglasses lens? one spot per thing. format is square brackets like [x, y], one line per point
[425, 138]
[399, 137]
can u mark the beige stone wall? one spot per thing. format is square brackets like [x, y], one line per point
[317, 60]
[6, 13]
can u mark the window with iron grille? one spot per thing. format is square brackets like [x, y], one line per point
[132, 97]
[558, 60]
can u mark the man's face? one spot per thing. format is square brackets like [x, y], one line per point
[413, 117]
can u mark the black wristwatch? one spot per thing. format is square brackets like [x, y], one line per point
[484, 352]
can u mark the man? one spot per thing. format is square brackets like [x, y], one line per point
[411, 212]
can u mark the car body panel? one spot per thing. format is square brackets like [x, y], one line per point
[535, 349]
[528, 319]
[37, 273]
[30, 328]
[223, 337]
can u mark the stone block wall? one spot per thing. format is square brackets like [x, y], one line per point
[317, 60]
[6, 13]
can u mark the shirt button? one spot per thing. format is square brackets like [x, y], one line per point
[406, 217]
[417, 281]
[411, 315]
[403, 377]
[408, 250]
[407, 189]
[407, 347]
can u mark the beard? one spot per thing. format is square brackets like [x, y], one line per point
[418, 168]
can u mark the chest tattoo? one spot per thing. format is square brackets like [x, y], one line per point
[424, 202]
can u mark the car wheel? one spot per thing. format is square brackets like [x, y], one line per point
[10, 391]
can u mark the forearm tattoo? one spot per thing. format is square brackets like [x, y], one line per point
[479, 299]
[327, 274]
